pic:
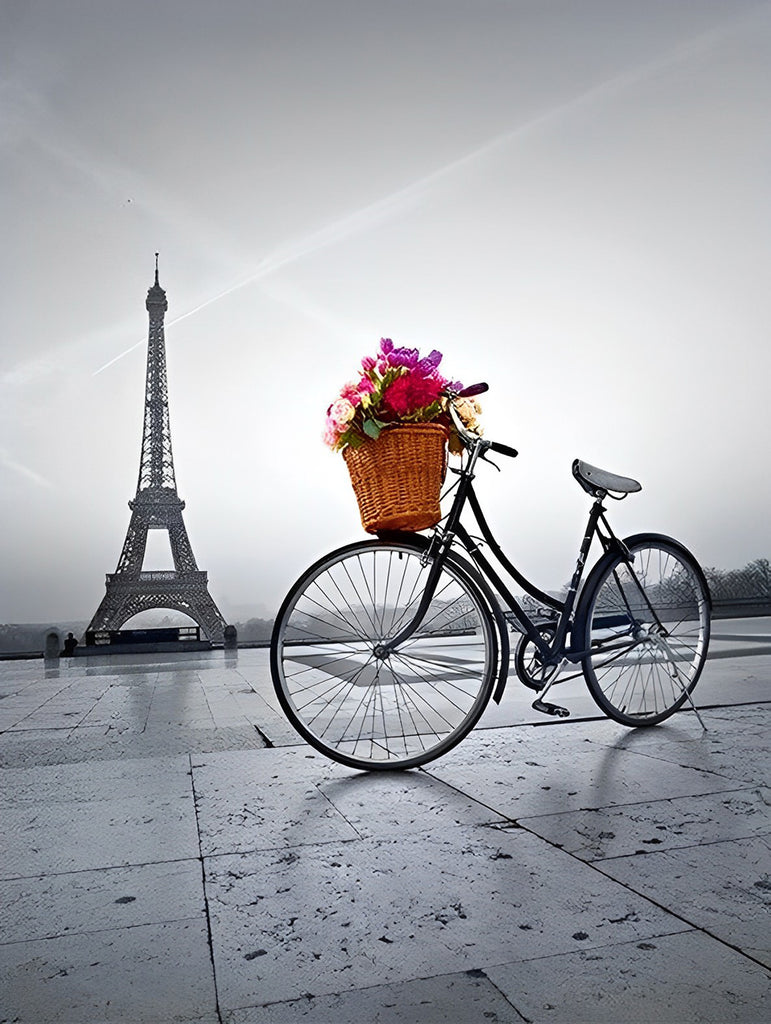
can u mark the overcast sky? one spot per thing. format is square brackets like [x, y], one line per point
[568, 198]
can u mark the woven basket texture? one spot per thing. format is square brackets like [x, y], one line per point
[398, 478]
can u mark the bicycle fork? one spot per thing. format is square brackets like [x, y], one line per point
[384, 650]
[436, 554]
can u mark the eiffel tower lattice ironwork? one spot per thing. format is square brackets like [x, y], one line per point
[157, 506]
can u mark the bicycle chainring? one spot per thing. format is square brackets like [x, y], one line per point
[528, 664]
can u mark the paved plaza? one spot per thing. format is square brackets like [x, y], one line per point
[172, 852]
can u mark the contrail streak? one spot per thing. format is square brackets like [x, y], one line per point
[397, 202]
[25, 471]
[360, 220]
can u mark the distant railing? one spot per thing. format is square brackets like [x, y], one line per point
[161, 576]
[164, 635]
[741, 607]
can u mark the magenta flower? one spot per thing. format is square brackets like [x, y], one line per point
[407, 394]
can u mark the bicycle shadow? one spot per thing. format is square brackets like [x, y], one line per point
[659, 744]
[376, 801]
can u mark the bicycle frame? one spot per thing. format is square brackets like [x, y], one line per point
[552, 652]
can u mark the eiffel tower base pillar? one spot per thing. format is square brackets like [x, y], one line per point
[184, 592]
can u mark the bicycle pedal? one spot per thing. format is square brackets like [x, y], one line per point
[550, 709]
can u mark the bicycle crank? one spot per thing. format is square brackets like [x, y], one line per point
[528, 662]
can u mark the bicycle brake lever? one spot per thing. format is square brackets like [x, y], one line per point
[484, 456]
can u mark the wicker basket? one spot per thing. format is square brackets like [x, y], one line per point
[397, 478]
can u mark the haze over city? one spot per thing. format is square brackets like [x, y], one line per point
[568, 199]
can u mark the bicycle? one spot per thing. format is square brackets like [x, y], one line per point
[386, 652]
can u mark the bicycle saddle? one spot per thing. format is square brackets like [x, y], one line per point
[598, 482]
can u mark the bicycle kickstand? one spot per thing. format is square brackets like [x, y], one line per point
[675, 673]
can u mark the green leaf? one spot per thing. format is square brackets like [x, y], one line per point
[372, 429]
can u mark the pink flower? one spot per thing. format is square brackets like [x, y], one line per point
[355, 390]
[341, 412]
[350, 391]
[331, 434]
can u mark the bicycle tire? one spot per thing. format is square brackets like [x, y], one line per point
[409, 708]
[645, 628]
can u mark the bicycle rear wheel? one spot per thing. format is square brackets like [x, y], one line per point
[367, 711]
[645, 628]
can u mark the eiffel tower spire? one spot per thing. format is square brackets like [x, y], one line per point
[156, 465]
[157, 506]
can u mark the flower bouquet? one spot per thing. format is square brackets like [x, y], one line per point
[393, 428]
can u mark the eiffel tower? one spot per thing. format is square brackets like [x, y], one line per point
[157, 506]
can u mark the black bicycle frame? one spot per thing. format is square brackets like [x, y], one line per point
[551, 651]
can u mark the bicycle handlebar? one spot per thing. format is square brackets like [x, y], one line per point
[503, 449]
[474, 389]
[468, 437]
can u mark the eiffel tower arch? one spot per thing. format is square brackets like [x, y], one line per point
[157, 506]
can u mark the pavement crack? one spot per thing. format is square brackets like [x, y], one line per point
[207, 914]
[264, 737]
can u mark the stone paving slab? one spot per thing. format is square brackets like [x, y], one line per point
[95, 744]
[79, 836]
[136, 710]
[379, 805]
[467, 997]
[673, 823]
[331, 917]
[157, 777]
[542, 770]
[684, 979]
[735, 745]
[262, 800]
[152, 974]
[87, 901]
[724, 888]
[272, 799]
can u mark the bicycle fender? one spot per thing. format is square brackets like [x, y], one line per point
[638, 538]
[503, 670]
[610, 557]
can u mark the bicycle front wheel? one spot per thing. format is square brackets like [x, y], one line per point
[645, 626]
[358, 707]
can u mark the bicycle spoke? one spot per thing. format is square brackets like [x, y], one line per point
[644, 670]
[372, 707]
